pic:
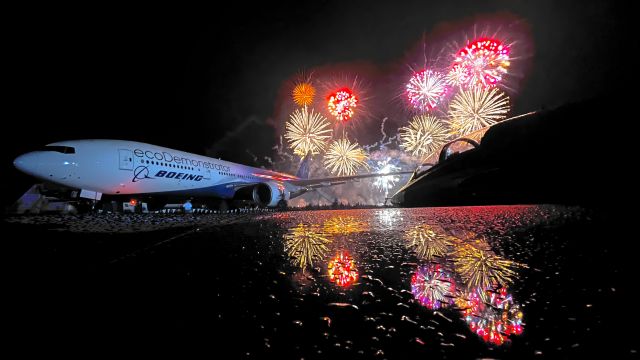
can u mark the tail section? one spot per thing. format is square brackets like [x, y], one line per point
[303, 170]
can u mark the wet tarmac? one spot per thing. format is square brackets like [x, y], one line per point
[470, 282]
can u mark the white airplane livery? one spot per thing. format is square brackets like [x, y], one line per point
[117, 167]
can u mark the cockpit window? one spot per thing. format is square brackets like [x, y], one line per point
[60, 149]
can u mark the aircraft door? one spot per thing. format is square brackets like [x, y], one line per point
[126, 159]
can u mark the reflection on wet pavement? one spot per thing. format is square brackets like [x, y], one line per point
[474, 282]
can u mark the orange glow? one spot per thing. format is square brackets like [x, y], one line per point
[342, 269]
[303, 94]
[133, 202]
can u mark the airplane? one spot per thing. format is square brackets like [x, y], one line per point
[119, 168]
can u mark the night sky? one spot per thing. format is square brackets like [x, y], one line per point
[209, 81]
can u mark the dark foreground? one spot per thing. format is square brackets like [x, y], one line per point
[475, 282]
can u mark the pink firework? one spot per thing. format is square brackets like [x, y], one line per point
[425, 89]
[432, 286]
[342, 103]
[481, 63]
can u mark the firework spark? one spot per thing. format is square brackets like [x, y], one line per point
[494, 320]
[342, 103]
[307, 132]
[303, 94]
[432, 286]
[344, 158]
[342, 269]
[481, 269]
[305, 244]
[481, 64]
[343, 225]
[457, 76]
[428, 241]
[474, 109]
[385, 183]
[424, 136]
[425, 89]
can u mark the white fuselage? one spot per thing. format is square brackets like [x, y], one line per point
[128, 167]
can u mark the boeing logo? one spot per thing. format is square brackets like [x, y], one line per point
[178, 175]
[140, 173]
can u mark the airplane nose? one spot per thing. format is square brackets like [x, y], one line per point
[27, 163]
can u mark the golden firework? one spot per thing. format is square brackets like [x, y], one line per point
[476, 108]
[343, 225]
[307, 132]
[428, 241]
[482, 269]
[424, 136]
[305, 244]
[344, 158]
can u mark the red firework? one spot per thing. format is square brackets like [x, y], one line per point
[481, 63]
[342, 269]
[494, 321]
[342, 103]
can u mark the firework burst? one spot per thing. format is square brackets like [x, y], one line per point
[342, 104]
[457, 76]
[474, 109]
[425, 89]
[303, 94]
[482, 64]
[424, 136]
[432, 286]
[428, 241]
[307, 132]
[344, 158]
[342, 269]
[481, 269]
[385, 183]
[493, 320]
[305, 244]
[343, 225]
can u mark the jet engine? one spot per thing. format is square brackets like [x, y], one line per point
[264, 194]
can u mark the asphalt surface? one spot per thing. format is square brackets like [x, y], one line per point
[375, 283]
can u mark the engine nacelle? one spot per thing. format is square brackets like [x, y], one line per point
[263, 194]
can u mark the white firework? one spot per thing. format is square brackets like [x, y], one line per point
[425, 89]
[385, 183]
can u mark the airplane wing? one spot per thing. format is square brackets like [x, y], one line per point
[329, 181]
